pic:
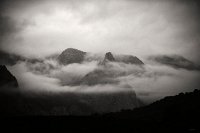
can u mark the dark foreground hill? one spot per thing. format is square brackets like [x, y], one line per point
[180, 113]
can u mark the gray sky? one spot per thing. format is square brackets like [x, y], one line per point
[139, 27]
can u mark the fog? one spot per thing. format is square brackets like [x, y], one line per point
[150, 82]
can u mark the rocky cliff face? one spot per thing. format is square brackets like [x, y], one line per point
[71, 55]
[105, 73]
[6, 78]
[108, 58]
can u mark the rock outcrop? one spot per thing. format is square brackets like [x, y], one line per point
[6, 78]
[107, 58]
[71, 55]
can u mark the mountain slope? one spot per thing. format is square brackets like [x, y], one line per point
[128, 59]
[175, 61]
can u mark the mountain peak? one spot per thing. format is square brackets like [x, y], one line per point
[71, 55]
[109, 57]
[71, 49]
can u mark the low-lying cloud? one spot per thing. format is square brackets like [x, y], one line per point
[150, 82]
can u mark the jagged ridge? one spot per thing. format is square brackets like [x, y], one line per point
[72, 55]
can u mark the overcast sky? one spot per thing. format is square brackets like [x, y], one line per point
[39, 28]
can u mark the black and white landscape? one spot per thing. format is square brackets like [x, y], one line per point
[118, 59]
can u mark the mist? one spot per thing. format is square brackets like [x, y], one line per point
[150, 82]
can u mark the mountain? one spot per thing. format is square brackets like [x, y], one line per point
[170, 114]
[71, 55]
[105, 73]
[6, 78]
[177, 105]
[22, 103]
[175, 61]
[108, 58]
[9, 92]
[127, 59]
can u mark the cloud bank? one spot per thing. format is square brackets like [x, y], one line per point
[150, 82]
